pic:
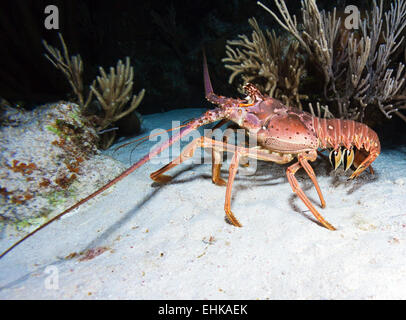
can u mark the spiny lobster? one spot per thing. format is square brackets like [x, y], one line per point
[283, 133]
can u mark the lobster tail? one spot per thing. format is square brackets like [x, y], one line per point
[336, 133]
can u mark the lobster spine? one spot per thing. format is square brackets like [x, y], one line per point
[333, 133]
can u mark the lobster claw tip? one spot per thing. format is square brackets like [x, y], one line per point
[351, 177]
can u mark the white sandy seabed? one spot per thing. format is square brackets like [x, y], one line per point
[172, 241]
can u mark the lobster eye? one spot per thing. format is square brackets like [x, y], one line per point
[348, 158]
[335, 158]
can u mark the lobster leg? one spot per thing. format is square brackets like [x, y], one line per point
[217, 159]
[186, 153]
[205, 142]
[217, 147]
[365, 164]
[290, 173]
[216, 167]
[309, 170]
[231, 175]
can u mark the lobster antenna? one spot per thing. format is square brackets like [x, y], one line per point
[31, 233]
[143, 139]
[149, 136]
[208, 89]
[97, 192]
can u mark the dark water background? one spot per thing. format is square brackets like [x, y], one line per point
[164, 40]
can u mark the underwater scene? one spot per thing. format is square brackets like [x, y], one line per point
[203, 150]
